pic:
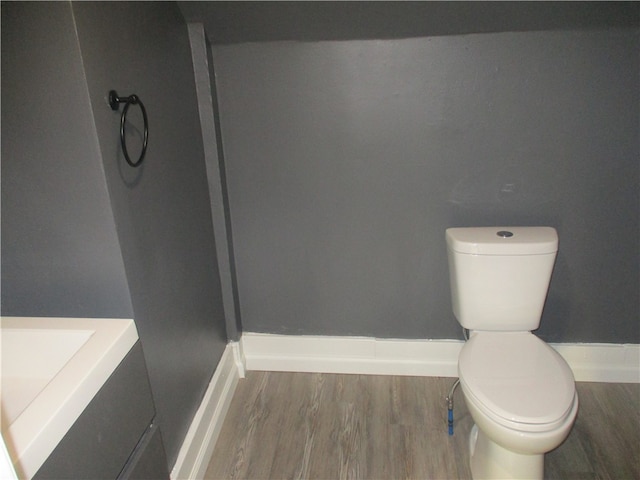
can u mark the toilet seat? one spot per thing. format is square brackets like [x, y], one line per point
[517, 380]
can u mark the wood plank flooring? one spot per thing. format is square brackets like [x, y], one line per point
[327, 426]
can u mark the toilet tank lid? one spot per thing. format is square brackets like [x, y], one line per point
[503, 240]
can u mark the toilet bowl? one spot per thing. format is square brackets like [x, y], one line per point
[521, 395]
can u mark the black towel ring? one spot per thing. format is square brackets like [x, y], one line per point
[114, 103]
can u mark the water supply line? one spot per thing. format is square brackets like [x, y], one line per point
[449, 400]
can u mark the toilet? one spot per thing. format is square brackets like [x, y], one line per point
[520, 391]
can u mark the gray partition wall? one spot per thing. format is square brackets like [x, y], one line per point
[60, 249]
[216, 175]
[83, 233]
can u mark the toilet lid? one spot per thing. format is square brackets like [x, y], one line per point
[517, 376]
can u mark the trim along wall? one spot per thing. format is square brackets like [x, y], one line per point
[590, 362]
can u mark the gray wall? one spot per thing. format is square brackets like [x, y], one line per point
[214, 161]
[161, 208]
[72, 55]
[346, 161]
[250, 21]
[60, 250]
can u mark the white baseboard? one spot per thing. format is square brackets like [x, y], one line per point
[364, 355]
[201, 437]
[602, 362]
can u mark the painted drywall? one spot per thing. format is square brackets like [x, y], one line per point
[214, 161]
[60, 250]
[162, 208]
[239, 22]
[83, 234]
[346, 161]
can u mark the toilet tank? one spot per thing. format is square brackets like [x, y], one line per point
[500, 275]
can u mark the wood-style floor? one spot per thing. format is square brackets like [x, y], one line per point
[327, 426]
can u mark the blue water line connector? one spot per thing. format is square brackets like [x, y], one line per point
[450, 406]
[450, 421]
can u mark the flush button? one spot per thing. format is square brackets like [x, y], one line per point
[504, 234]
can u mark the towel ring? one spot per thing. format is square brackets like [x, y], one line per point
[114, 103]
